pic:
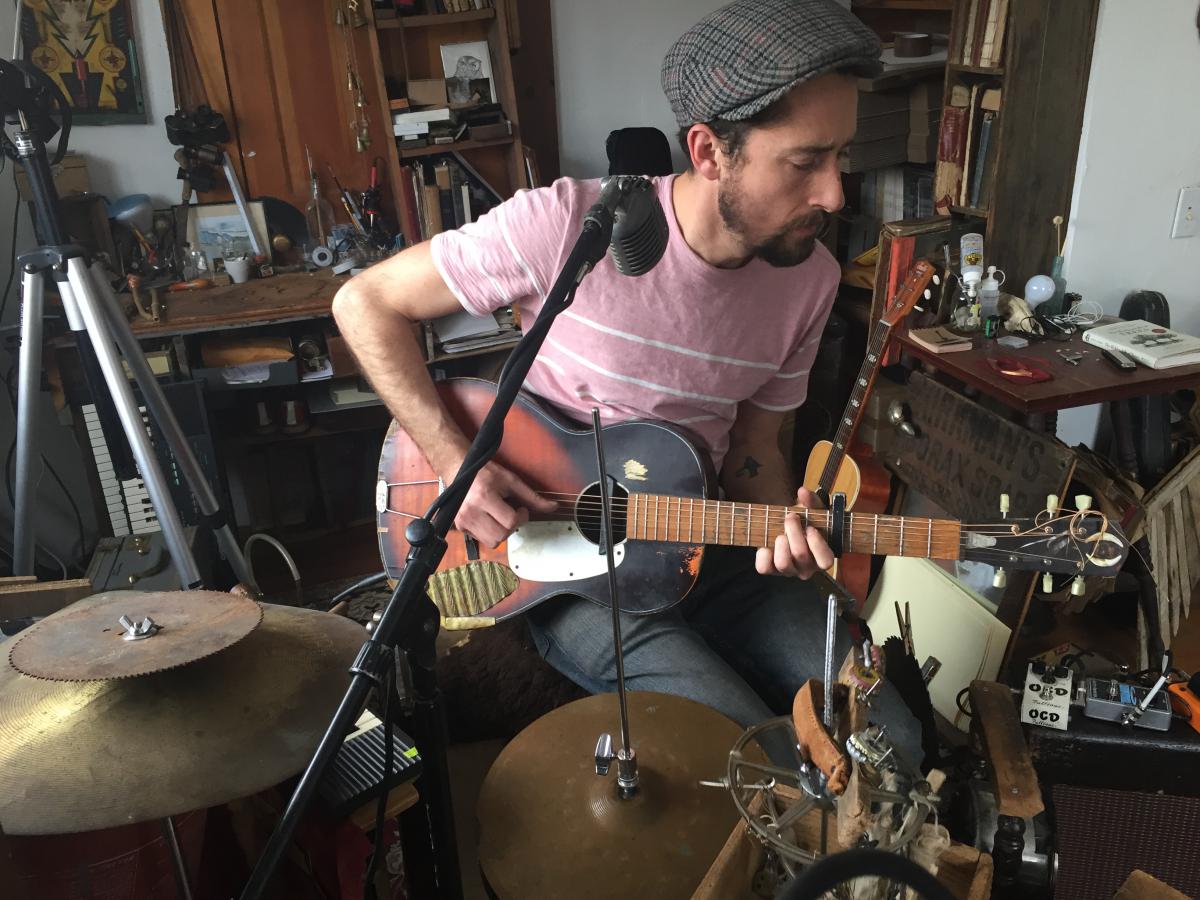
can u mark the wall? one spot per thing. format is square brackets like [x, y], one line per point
[122, 159]
[607, 58]
[1140, 145]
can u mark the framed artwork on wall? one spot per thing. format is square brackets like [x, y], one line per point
[88, 50]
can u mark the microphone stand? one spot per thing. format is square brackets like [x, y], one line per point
[410, 620]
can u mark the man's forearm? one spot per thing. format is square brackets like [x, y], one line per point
[753, 476]
[387, 350]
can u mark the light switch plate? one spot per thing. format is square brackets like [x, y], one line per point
[1187, 213]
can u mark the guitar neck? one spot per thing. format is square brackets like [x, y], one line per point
[687, 520]
[854, 407]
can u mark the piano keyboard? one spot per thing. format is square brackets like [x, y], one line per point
[129, 507]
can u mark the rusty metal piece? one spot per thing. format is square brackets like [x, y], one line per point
[85, 641]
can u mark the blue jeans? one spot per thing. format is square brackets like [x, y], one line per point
[740, 642]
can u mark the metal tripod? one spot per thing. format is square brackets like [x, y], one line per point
[95, 316]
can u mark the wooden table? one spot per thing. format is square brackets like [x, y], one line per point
[1093, 380]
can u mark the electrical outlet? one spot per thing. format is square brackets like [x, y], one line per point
[1187, 213]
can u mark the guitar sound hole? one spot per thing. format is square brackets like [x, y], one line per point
[587, 513]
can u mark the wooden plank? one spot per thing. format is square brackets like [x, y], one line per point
[1155, 530]
[1185, 473]
[1173, 573]
[1140, 886]
[42, 598]
[1048, 57]
[1013, 775]
[1184, 540]
[401, 797]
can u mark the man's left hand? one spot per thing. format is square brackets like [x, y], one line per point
[799, 551]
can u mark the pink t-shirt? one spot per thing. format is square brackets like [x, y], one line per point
[683, 344]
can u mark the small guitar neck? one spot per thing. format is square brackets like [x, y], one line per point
[686, 520]
[854, 407]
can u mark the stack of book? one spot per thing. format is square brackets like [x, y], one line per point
[966, 153]
[443, 192]
[924, 117]
[418, 127]
[983, 33]
[939, 339]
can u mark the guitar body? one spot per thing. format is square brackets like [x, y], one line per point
[867, 486]
[543, 559]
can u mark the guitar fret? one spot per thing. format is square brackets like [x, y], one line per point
[732, 524]
[678, 513]
[747, 524]
[929, 540]
[691, 516]
[631, 517]
[850, 533]
[656, 517]
[901, 553]
[875, 537]
[766, 524]
[717, 535]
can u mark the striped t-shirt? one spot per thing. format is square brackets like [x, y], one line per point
[683, 344]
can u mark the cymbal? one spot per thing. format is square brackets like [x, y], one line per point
[551, 827]
[80, 756]
[85, 642]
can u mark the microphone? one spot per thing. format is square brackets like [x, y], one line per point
[629, 205]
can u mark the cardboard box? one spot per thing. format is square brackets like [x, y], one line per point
[70, 177]
[427, 92]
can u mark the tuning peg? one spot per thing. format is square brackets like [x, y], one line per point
[1078, 586]
[1003, 509]
[1000, 579]
[1083, 502]
[1052, 504]
[919, 308]
[928, 294]
[1047, 583]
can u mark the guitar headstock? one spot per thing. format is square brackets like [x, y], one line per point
[912, 289]
[1064, 541]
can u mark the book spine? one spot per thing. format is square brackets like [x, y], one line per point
[951, 147]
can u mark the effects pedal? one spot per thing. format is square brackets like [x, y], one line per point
[1115, 701]
[1047, 697]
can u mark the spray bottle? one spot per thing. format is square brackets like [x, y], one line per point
[971, 272]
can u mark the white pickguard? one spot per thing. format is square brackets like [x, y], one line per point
[556, 551]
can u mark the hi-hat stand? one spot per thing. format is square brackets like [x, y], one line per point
[96, 318]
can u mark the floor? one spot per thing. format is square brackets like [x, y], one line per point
[469, 764]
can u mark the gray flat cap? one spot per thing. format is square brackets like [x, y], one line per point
[739, 60]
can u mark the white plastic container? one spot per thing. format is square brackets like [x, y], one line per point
[989, 292]
[971, 261]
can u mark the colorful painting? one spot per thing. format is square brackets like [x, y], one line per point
[87, 48]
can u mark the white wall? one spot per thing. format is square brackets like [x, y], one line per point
[607, 58]
[122, 159]
[1140, 145]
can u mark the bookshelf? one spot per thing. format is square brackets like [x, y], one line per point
[1041, 72]
[409, 49]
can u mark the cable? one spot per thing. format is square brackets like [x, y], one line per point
[368, 582]
[287, 557]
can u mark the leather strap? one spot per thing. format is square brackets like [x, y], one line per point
[815, 742]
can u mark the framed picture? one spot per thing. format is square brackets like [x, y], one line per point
[220, 231]
[468, 71]
[88, 51]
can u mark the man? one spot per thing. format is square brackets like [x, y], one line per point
[718, 338]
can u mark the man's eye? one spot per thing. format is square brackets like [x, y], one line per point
[807, 165]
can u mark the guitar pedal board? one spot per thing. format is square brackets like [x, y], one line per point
[1111, 700]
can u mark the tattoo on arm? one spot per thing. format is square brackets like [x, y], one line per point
[750, 467]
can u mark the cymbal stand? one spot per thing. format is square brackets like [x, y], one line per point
[627, 767]
[410, 620]
[95, 316]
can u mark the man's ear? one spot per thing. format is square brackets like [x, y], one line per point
[706, 152]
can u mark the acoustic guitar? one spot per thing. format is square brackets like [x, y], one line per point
[664, 514]
[842, 466]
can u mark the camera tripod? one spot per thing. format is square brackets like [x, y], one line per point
[104, 338]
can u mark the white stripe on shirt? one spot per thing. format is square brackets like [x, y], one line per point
[675, 348]
[675, 392]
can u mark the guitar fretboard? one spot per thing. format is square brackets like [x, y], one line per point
[854, 406]
[687, 520]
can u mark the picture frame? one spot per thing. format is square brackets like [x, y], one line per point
[468, 71]
[218, 229]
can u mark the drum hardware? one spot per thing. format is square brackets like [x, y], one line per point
[136, 631]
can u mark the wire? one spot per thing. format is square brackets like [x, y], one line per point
[287, 558]
[368, 582]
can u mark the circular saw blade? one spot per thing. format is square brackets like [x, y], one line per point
[86, 641]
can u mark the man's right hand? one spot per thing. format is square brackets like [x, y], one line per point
[496, 504]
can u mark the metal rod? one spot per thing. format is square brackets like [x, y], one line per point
[162, 414]
[29, 376]
[831, 614]
[81, 292]
[627, 776]
[181, 873]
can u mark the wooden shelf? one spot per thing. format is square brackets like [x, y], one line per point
[431, 21]
[458, 146]
[996, 71]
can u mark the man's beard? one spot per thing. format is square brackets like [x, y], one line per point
[781, 249]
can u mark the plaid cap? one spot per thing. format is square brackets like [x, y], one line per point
[739, 60]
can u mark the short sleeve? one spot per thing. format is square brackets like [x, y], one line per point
[510, 254]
